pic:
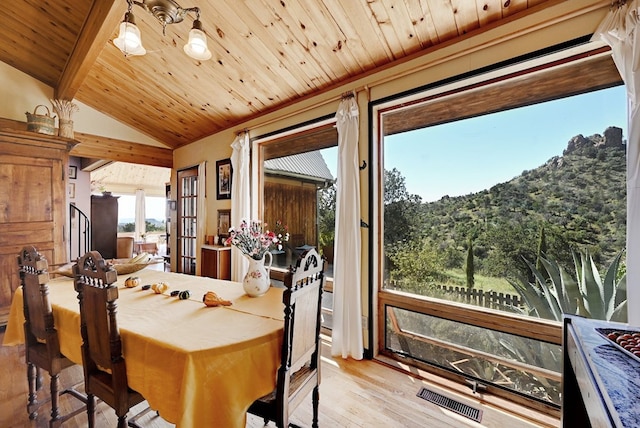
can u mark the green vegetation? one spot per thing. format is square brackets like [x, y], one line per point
[574, 202]
[556, 292]
[150, 226]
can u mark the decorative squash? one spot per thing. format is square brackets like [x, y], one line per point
[184, 295]
[160, 287]
[132, 281]
[212, 299]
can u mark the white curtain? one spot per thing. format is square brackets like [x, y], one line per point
[201, 213]
[141, 225]
[621, 31]
[240, 199]
[346, 336]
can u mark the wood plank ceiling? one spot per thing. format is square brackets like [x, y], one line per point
[266, 54]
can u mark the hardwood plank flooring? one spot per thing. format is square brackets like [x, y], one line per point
[352, 394]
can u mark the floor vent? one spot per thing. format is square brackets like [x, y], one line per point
[453, 405]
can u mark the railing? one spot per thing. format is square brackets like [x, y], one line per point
[487, 299]
[79, 233]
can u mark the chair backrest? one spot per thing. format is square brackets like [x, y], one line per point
[302, 299]
[124, 247]
[94, 282]
[39, 326]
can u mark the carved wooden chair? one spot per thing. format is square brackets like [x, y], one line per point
[42, 349]
[299, 371]
[104, 366]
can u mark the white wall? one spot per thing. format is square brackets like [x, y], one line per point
[21, 93]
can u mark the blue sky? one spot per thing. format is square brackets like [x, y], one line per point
[475, 154]
[472, 155]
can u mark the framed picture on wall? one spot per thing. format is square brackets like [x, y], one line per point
[224, 223]
[71, 190]
[73, 172]
[223, 179]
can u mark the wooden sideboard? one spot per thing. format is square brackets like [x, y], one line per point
[33, 202]
[216, 261]
[600, 384]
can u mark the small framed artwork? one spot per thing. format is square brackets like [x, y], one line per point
[73, 172]
[71, 190]
[223, 178]
[224, 223]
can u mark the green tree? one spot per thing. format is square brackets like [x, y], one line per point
[542, 248]
[127, 227]
[327, 215]
[469, 266]
[403, 214]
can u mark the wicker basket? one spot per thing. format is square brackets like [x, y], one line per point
[40, 123]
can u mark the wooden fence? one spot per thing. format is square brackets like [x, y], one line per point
[473, 296]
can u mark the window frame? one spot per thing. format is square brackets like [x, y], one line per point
[444, 95]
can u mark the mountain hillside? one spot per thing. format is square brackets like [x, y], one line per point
[579, 199]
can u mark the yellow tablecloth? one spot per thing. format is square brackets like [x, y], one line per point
[198, 366]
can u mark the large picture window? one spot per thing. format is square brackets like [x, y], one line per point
[495, 194]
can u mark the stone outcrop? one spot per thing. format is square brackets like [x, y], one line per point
[612, 138]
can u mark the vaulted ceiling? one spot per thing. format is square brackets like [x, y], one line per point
[266, 54]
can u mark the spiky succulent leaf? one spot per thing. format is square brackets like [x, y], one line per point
[620, 313]
[549, 294]
[592, 287]
[609, 286]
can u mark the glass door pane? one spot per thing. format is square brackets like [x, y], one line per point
[187, 220]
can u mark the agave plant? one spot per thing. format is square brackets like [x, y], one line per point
[556, 292]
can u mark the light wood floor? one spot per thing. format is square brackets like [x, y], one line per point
[352, 394]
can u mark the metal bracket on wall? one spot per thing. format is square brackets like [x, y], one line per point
[364, 165]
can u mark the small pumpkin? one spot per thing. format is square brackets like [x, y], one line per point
[184, 295]
[160, 287]
[132, 281]
[212, 299]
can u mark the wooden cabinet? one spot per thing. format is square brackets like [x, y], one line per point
[104, 225]
[33, 203]
[216, 261]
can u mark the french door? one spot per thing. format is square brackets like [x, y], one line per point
[187, 220]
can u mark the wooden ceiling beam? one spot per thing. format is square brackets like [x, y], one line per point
[103, 18]
[104, 148]
[94, 146]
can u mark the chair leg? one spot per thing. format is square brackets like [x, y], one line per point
[32, 403]
[39, 378]
[316, 400]
[91, 410]
[122, 421]
[55, 412]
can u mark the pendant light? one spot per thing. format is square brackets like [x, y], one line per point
[167, 12]
[196, 47]
[128, 40]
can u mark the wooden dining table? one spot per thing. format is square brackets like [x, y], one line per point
[198, 366]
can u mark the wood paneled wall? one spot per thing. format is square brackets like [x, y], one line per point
[295, 204]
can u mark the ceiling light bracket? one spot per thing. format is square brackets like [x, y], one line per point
[166, 12]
